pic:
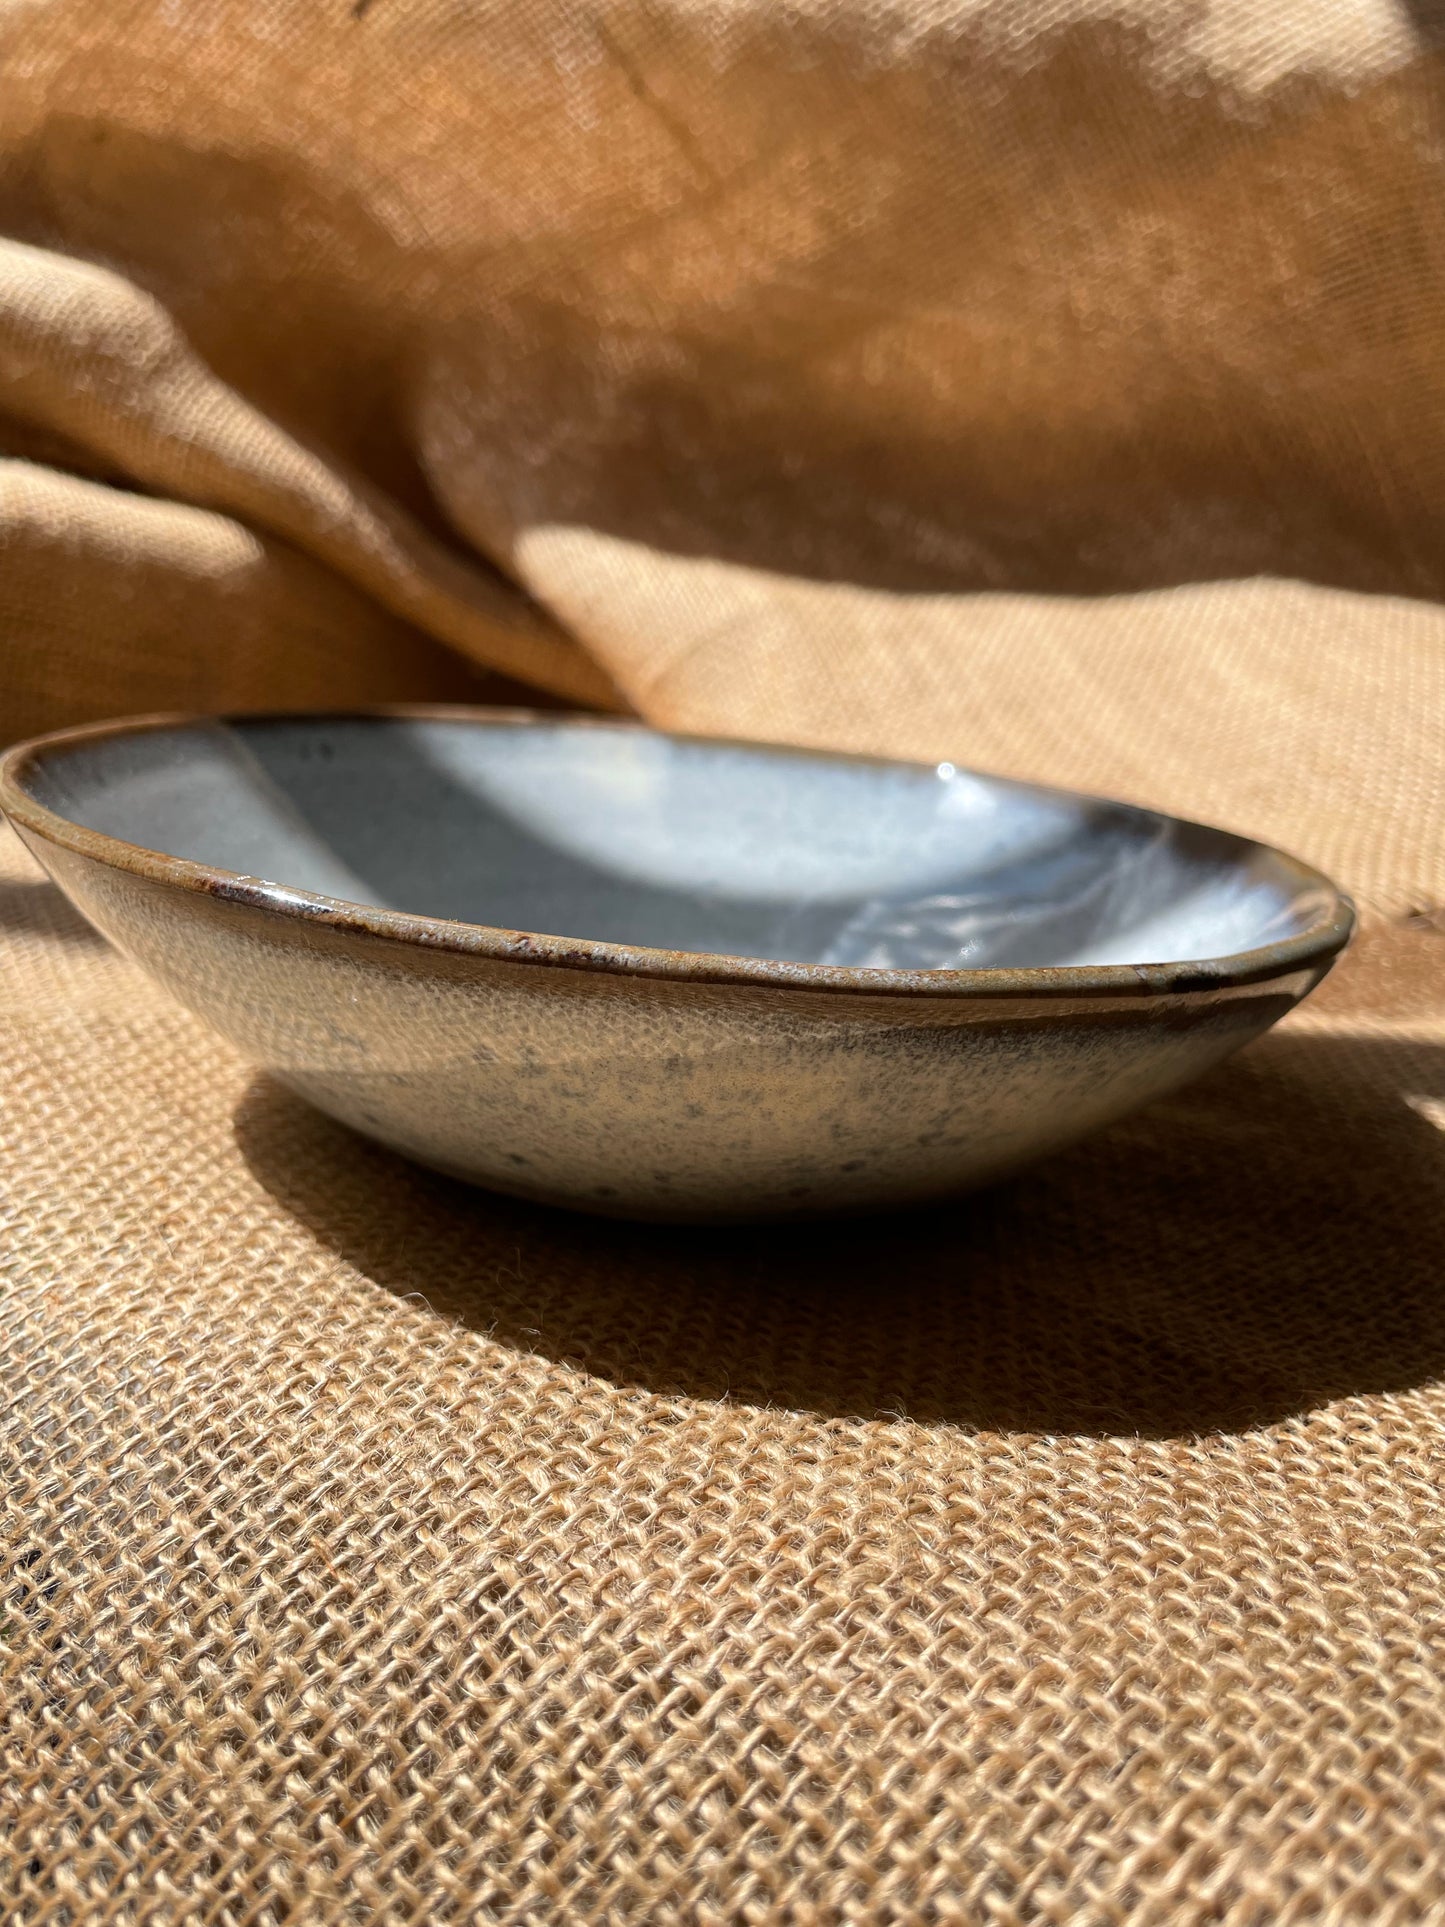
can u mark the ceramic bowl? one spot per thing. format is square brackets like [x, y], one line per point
[667, 977]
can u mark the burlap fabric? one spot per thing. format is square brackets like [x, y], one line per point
[1057, 387]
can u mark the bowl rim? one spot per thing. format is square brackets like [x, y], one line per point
[1314, 948]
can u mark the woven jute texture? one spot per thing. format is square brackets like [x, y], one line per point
[1051, 385]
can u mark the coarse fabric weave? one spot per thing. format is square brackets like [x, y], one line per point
[1056, 386]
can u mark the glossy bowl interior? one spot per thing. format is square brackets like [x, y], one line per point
[614, 835]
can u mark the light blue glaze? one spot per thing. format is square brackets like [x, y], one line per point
[620, 835]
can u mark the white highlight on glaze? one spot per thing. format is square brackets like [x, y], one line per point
[746, 824]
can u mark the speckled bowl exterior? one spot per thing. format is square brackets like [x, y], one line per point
[653, 1084]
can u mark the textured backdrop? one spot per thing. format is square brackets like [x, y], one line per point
[1055, 385]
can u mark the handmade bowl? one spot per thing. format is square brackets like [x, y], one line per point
[661, 976]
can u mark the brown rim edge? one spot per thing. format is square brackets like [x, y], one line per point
[1314, 948]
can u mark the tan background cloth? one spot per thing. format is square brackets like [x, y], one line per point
[1055, 385]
